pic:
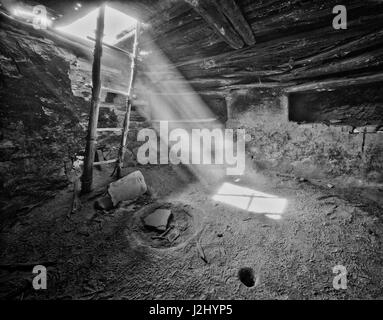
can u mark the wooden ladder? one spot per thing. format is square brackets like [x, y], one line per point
[87, 176]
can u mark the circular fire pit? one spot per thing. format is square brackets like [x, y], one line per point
[163, 226]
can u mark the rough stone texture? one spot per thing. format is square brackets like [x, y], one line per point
[45, 90]
[158, 219]
[127, 188]
[104, 203]
[45, 87]
[40, 117]
[311, 150]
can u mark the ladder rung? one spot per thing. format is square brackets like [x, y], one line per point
[109, 129]
[104, 162]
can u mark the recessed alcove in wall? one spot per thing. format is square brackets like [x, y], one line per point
[355, 105]
[110, 96]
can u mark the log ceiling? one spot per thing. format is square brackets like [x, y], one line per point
[226, 18]
[295, 43]
[218, 45]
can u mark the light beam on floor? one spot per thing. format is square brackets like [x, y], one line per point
[251, 200]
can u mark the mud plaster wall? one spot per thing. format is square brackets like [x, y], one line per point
[310, 150]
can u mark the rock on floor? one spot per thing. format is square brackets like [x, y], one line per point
[129, 187]
[158, 219]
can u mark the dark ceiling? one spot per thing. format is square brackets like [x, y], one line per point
[264, 43]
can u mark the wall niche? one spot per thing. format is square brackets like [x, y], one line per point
[355, 105]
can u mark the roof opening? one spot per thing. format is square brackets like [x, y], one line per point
[117, 24]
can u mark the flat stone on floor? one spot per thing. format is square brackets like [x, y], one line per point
[104, 203]
[158, 219]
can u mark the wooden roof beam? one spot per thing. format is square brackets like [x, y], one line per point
[237, 19]
[211, 12]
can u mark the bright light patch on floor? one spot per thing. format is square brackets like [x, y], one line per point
[274, 216]
[115, 23]
[251, 200]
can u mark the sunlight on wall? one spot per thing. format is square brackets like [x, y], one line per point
[251, 200]
[115, 23]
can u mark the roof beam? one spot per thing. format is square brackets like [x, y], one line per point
[211, 12]
[237, 19]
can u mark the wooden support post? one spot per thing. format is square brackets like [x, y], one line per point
[87, 176]
[121, 153]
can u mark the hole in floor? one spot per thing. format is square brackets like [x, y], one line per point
[246, 276]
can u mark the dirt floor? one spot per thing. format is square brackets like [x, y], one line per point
[107, 255]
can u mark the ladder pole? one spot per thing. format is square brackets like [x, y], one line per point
[87, 176]
[121, 153]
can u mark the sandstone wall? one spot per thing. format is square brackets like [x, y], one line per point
[310, 149]
[41, 120]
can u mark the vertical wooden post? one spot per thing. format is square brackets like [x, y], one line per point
[121, 153]
[87, 176]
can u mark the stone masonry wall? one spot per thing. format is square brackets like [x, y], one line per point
[310, 150]
[41, 121]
